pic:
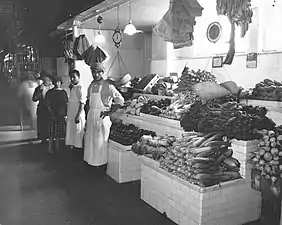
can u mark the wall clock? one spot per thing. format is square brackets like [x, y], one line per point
[117, 37]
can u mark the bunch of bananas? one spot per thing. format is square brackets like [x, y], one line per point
[237, 11]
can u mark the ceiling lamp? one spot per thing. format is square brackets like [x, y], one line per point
[100, 38]
[130, 29]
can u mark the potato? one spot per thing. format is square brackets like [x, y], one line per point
[273, 139]
[266, 138]
[273, 144]
[271, 133]
[266, 143]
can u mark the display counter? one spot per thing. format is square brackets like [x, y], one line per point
[123, 165]
[229, 203]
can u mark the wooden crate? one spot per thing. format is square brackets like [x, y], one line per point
[123, 165]
[230, 203]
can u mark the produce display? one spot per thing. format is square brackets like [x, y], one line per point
[127, 134]
[152, 147]
[161, 88]
[191, 77]
[155, 107]
[268, 90]
[135, 105]
[233, 119]
[201, 159]
[268, 157]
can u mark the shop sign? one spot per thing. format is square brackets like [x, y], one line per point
[252, 60]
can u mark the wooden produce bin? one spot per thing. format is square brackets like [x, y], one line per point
[123, 165]
[230, 203]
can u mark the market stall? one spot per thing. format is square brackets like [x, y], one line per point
[195, 140]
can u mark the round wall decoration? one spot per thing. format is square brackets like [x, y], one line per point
[214, 32]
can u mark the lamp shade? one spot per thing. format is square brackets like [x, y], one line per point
[130, 29]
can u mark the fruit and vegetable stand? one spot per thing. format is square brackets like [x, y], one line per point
[196, 158]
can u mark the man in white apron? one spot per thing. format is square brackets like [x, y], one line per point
[75, 112]
[100, 97]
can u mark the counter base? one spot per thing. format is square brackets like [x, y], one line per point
[231, 203]
[123, 165]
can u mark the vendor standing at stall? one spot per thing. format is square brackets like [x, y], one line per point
[43, 115]
[101, 94]
[75, 111]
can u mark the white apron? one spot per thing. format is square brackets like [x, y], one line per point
[97, 132]
[75, 132]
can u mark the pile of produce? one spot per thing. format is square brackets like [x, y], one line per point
[201, 159]
[268, 90]
[127, 134]
[135, 105]
[233, 119]
[268, 157]
[153, 147]
[191, 77]
[161, 88]
[155, 107]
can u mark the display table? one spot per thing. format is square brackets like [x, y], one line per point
[230, 203]
[123, 164]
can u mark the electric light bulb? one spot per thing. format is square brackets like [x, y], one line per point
[130, 29]
[99, 38]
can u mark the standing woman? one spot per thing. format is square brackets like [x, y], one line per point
[43, 114]
[57, 100]
[76, 114]
[99, 101]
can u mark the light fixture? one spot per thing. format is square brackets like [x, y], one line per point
[130, 29]
[99, 38]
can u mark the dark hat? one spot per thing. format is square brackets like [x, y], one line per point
[98, 67]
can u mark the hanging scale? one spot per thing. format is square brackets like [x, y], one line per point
[117, 39]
